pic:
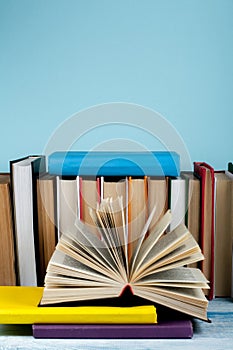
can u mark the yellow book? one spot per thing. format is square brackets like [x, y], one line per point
[19, 305]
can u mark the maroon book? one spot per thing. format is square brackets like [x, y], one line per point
[162, 330]
[206, 174]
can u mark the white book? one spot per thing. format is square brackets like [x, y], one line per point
[23, 172]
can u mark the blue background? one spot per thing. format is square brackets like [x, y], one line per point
[58, 57]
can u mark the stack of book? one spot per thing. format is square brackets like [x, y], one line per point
[124, 225]
[19, 305]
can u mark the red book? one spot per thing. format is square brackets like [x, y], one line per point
[206, 174]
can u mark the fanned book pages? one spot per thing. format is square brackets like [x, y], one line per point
[86, 267]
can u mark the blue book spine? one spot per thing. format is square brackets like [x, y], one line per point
[73, 163]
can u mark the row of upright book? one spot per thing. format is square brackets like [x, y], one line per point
[40, 202]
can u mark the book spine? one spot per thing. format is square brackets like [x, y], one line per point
[200, 169]
[166, 330]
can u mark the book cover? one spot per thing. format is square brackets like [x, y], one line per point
[162, 330]
[94, 163]
[206, 175]
[19, 305]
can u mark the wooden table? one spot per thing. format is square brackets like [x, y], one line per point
[217, 335]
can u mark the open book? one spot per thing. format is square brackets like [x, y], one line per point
[85, 266]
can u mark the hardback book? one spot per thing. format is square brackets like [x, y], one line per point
[19, 305]
[85, 267]
[230, 167]
[47, 224]
[7, 251]
[192, 204]
[206, 175]
[24, 173]
[162, 330]
[223, 234]
[110, 163]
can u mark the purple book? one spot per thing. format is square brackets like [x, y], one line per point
[164, 329]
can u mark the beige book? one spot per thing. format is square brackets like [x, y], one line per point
[67, 204]
[47, 229]
[113, 190]
[157, 198]
[207, 263]
[223, 234]
[89, 192]
[137, 210]
[192, 206]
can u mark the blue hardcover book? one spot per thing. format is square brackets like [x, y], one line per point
[108, 163]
